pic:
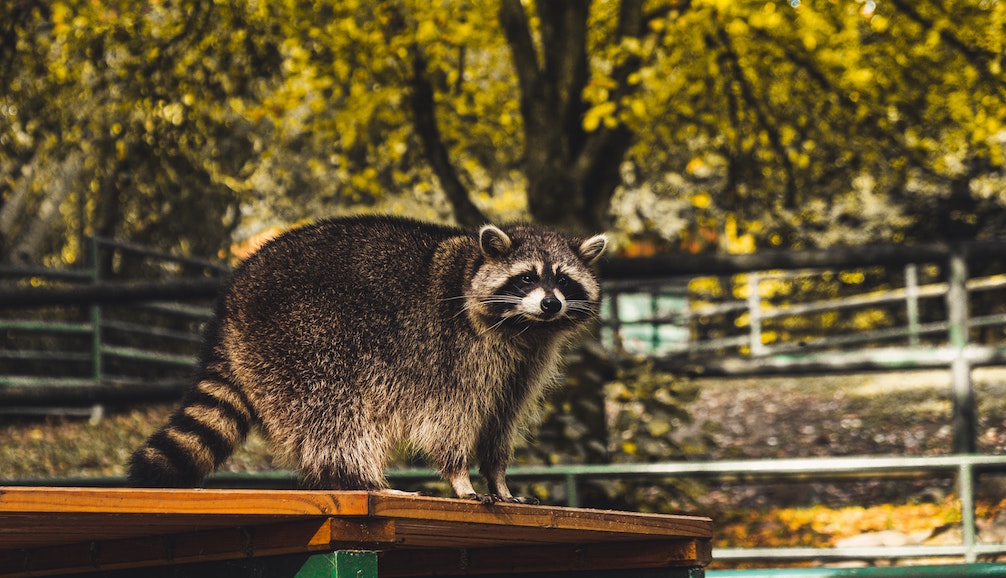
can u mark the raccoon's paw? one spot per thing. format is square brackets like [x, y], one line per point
[508, 499]
[486, 499]
[529, 500]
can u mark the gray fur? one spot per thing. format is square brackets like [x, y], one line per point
[344, 339]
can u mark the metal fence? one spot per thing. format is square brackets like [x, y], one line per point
[872, 309]
[78, 336]
[743, 315]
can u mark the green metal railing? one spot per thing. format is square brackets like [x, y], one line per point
[89, 339]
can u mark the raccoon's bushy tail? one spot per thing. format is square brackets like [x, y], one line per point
[213, 420]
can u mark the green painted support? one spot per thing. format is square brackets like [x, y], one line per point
[340, 564]
[572, 492]
[966, 490]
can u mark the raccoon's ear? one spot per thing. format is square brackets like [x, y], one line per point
[592, 248]
[493, 241]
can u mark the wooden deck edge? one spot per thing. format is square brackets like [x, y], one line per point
[401, 563]
[200, 546]
[24, 499]
[552, 517]
[49, 531]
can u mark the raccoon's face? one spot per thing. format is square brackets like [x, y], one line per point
[532, 278]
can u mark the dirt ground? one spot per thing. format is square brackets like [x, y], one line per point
[859, 414]
[875, 414]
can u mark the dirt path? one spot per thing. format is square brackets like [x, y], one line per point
[850, 415]
[861, 414]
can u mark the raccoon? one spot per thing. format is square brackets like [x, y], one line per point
[349, 338]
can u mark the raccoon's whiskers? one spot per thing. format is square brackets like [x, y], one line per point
[493, 326]
[582, 306]
[453, 298]
[501, 299]
[465, 307]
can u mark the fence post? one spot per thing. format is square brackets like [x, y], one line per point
[95, 312]
[964, 418]
[754, 313]
[912, 302]
[616, 320]
[966, 490]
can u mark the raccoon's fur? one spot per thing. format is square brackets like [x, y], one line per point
[343, 339]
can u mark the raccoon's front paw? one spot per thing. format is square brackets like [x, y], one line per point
[486, 499]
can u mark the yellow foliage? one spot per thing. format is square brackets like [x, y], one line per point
[598, 114]
[784, 93]
[822, 526]
[852, 277]
[705, 286]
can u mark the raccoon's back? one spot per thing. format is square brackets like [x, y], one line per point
[332, 294]
[347, 260]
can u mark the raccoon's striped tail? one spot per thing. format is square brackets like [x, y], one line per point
[213, 420]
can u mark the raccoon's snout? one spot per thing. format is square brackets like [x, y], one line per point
[543, 305]
[550, 305]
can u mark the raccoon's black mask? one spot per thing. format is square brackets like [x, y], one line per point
[531, 278]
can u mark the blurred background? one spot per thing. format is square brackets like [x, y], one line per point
[777, 177]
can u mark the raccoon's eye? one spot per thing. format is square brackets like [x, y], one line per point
[562, 280]
[527, 279]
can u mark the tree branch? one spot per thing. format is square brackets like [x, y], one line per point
[982, 59]
[605, 143]
[517, 31]
[564, 41]
[732, 59]
[425, 123]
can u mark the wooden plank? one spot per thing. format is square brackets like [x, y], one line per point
[34, 517]
[439, 534]
[555, 558]
[182, 501]
[50, 528]
[544, 517]
[307, 535]
[312, 534]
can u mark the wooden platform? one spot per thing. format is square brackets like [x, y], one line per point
[51, 531]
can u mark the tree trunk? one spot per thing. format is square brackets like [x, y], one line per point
[425, 123]
[572, 174]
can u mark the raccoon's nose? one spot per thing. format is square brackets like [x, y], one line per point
[550, 305]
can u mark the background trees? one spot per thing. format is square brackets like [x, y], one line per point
[696, 124]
